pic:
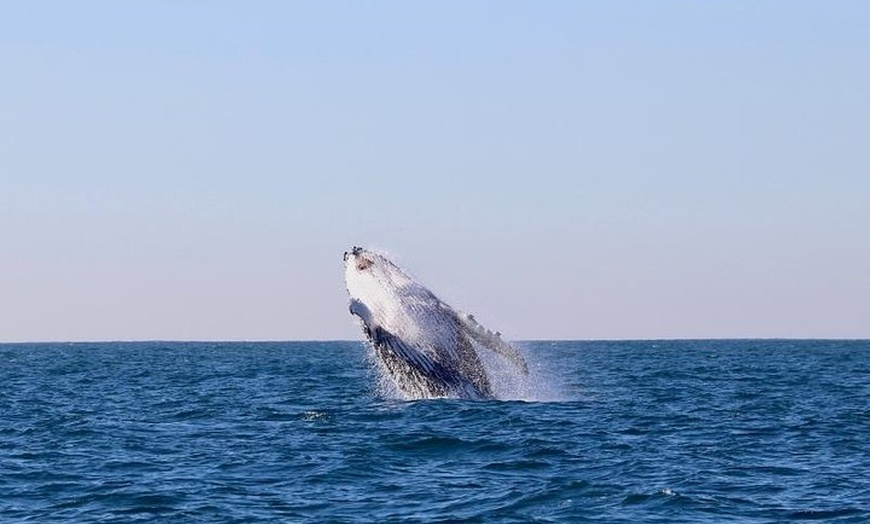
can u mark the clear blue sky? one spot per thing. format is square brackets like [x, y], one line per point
[563, 169]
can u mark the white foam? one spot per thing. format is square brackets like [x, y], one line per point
[542, 384]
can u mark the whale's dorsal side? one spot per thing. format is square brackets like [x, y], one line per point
[491, 340]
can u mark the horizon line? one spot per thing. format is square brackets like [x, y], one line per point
[337, 340]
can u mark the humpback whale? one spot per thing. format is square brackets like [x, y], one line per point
[426, 347]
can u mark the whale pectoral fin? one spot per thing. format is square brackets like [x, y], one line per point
[492, 341]
[360, 310]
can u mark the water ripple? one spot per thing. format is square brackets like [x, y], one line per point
[694, 431]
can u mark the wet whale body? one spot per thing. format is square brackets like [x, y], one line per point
[427, 348]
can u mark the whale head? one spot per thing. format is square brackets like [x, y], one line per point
[381, 294]
[374, 280]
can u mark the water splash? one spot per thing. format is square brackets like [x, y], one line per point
[541, 384]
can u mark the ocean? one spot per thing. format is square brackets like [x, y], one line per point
[641, 431]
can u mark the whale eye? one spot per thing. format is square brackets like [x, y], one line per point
[363, 263]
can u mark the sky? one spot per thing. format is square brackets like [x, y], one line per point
[562, 169]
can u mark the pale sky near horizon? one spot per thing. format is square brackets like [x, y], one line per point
[563, 169]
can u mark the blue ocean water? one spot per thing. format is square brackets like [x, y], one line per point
[658, 431]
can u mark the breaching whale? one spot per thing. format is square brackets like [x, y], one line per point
[425, 346]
